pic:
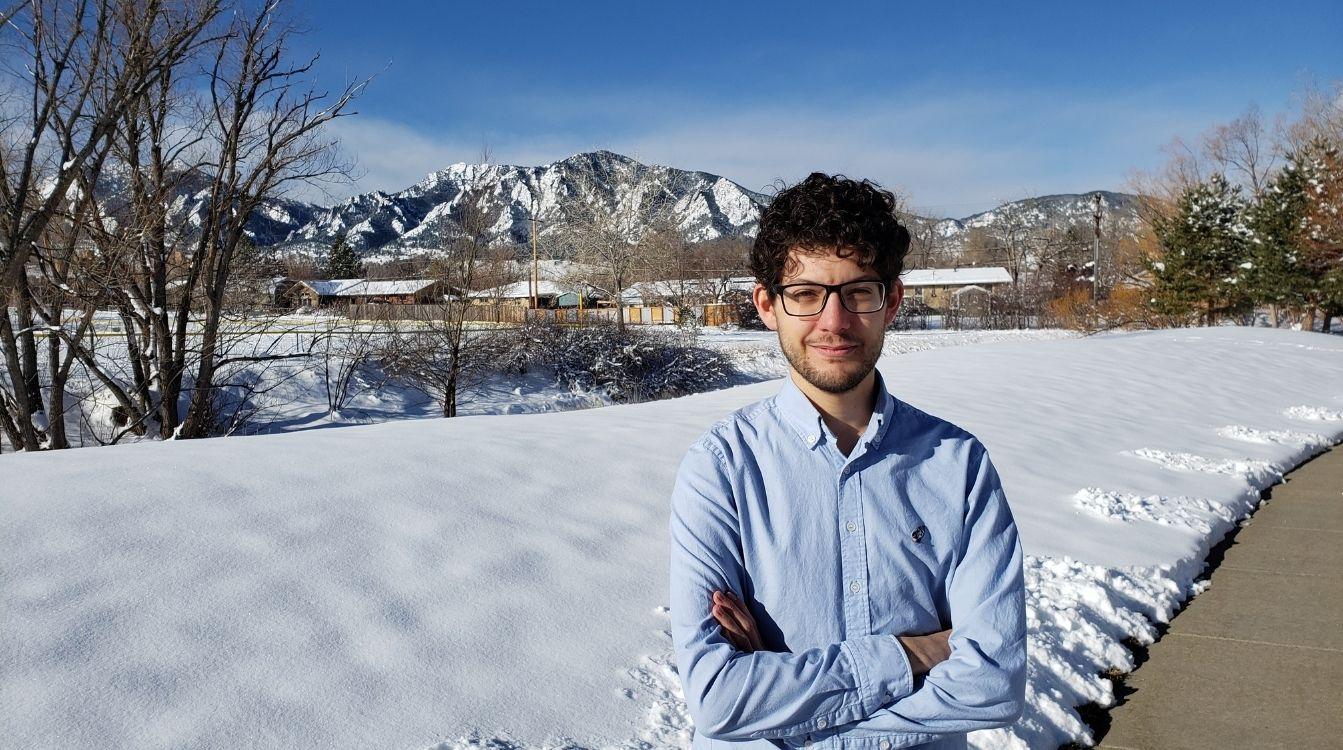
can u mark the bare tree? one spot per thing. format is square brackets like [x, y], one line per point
[93, 179]
[344, 353]
[80, 67]
[1321, 117]
[612, 235]
[1243, 149]
[442, 356]
[1016, 246]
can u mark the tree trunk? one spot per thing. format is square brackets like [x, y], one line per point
[134, 351]
[56, 431]
[32, 386]
[1308, 320]
[22, 409]
[168, 373]
[196, 424]
[450, 397]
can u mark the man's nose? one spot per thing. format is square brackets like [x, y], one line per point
[834, 316]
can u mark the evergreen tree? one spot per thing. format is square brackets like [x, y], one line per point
[1275, 273]
[1204, 243]
[341, 262]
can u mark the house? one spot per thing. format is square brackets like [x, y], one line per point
[678, 292]
[363, 292]
[947, 288]
[549, 295]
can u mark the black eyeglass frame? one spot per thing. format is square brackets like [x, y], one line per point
[829, 290]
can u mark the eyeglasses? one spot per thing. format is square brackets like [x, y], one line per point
[858, 297]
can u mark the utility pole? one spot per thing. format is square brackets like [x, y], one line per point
[536, 279]
[1096, 249]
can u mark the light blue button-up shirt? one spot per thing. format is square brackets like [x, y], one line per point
[835, 556]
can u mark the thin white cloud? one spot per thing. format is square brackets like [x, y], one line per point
[951, 153]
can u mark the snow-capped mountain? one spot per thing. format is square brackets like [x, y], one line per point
[1119, 212]
[704, 206]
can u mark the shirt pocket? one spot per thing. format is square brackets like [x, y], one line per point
[907, 566]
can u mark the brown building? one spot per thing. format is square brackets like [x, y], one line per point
[944, 289]
[363, 292]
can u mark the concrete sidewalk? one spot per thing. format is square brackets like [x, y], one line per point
[1256, 661]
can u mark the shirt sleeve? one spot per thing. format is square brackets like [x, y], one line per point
[734, 695]
[983, 684]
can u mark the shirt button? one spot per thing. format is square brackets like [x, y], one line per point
[821, 723]
[851, 526]
[807, 743]
[884, 745]
[855, 587]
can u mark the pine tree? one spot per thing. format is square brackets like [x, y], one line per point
[341, 262]
[1204, 242]
[1274, 273]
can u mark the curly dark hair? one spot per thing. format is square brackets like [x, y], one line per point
[824, 214]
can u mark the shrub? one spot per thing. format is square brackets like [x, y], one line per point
[635, 364]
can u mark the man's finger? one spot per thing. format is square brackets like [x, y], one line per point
[729, 626]
[727, 621]
[744, 622]
[742, 614]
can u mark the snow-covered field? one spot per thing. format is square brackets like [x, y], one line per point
[501, 580]
[292, 394]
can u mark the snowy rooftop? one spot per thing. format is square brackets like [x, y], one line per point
[956, 276]
[712, 287]
[366, 288]
[523, 289]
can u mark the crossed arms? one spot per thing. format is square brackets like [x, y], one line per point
[923, 651]
[973, 675]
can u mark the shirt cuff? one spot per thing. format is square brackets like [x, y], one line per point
[882, 668]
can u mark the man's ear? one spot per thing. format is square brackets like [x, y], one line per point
[764, 304]
[893, 298]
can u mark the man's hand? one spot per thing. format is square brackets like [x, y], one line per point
[926, 651]
[736, 621]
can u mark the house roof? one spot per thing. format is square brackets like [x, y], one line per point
[523, 290]
[366, 288]
[956, 276]
[711, 287]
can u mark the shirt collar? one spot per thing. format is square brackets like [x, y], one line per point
[803, 417]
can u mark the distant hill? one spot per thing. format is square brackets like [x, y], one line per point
[706, 206]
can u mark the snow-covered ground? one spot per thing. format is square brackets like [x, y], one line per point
[501, 580]
[291, 394]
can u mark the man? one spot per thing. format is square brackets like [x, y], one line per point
[845, 572]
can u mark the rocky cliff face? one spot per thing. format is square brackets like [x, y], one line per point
[704, 206]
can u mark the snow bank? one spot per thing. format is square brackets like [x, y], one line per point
[501, 580]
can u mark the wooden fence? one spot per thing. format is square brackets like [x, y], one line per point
[710, 315]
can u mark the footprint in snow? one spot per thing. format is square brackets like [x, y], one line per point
[1190, 512]
[1315, 414]
[1258, 473]
[1273, 437]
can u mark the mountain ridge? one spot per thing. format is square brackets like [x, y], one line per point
[705, 206]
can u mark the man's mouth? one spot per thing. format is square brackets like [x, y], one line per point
[834, 349]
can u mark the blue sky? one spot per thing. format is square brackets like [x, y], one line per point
[960, 107]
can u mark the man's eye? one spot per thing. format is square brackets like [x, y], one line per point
[804, 295]
[860, 294]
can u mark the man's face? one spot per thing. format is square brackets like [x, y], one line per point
[834, 350]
